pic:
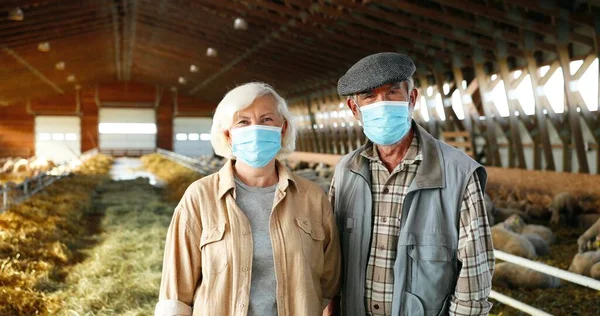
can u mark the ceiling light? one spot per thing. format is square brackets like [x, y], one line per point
[16, 14]
[182, 80]
[77, 87]
[193, 68]
[60, 65]
[240, 24]
[174, 89]
[71, 78]
[44, 47]
[211, 52]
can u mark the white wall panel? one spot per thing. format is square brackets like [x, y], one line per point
[192, 126]
[58, 138]
[133, 137]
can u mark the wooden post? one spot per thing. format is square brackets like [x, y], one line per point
[452, 122]
[511, 99]
[492, 144]
[575, 124]
[433, 119]
[471, 113]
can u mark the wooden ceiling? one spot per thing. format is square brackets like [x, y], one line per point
[298, 46]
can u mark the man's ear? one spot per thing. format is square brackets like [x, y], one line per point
[354, 108]
[414, 95]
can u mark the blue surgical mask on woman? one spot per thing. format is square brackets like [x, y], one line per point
[256, 145]
[386, 122]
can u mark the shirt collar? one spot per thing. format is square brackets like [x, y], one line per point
[413, 154]
[227, 178]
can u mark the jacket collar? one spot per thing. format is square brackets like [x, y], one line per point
[430, 173]
[226, 179]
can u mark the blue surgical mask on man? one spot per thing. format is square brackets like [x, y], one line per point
[256, 145]
[386, 122]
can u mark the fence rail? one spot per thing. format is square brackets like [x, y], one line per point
[12, 194]
[186, 161]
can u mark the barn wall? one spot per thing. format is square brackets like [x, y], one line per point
[17, 121]
[16, 131]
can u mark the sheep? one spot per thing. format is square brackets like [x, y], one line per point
[541, 246]
[517, 225]
[511, 242]
[587, 264]
[8, 166]
[502, 214]
[21, 166]
[514, 276]
[590, 240]
[489, 209]
[595, 271]
[564, 206]
[41, 165]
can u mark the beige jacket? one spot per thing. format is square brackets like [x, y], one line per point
[208, 252]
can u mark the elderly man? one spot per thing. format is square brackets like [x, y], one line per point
[410, 209]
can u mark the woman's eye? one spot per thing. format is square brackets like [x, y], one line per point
[242, 122]
[267, 119]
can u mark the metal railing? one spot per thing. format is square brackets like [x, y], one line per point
[543, 268]
[188, 162]
[126, 152]
[12, 194]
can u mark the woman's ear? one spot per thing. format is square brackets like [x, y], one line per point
[284, 128]
[227, 136]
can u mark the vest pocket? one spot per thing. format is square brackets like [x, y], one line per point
[311, 237]
[432, 275]
[413, 305]
[213, 247]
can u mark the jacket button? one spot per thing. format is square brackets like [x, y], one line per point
[376, 306]
[242, 305]
[386, 190]
[245, 269]
[384, 219]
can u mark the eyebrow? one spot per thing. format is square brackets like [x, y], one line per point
[247, 117]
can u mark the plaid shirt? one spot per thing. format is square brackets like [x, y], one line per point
[475, 250]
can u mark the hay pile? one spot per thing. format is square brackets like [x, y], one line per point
[121, 274]
[35, 241]
[98, 164]
[177, 177]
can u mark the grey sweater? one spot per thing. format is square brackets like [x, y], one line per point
[257, 204]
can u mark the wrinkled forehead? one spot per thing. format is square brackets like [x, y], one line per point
[262, 105]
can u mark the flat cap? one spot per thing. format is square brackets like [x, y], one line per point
[374, 71]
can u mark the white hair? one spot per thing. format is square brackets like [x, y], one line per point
[238, 99]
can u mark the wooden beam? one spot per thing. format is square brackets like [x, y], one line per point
[551, 9]
[434, 119]
[471, 114]
[130, 37]
[117, 38]
[34, 70]
[575, 124]
[538, 93]
[451, 118]
[512, 107]
[463, 23]
[505, 17]
[493, 157]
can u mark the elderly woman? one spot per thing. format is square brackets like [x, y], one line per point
[253, 238]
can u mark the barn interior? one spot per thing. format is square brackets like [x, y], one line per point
[106, 110]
